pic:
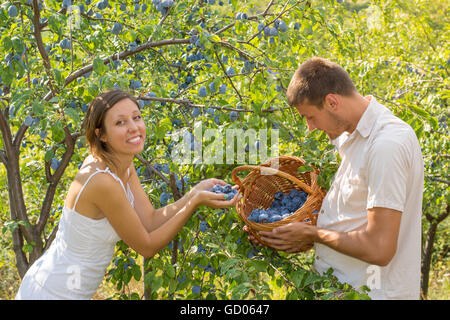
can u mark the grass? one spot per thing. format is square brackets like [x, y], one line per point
[440, 282]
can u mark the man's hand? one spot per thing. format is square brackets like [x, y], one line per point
[291, 238]
[374, 242]
[250, 235]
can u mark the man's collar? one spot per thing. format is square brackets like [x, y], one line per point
[369, 117]
[365, 123]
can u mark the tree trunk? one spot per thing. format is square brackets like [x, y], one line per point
[426, 261]
[428, 252]
[147, 288]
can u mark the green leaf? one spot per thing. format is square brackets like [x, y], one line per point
[297, 277]
[73, 114]
[8, 75]
[304, 168]
[93, 89]
[419, 111]
[170, 270]
[55, 99]
[214, 38]
[54, 23]
[37, 108]
[58, 76]
[147, 30]
[49, 155]
[12, 225]
[130, 35]
[28, 248]
[164, 126]
[148, 277]
[137, 274]
[99, 66]
[434, 123]
[18, 44]
[6, 44]
[351, 296]
[260, 265]
[57, 132]
[157, 283]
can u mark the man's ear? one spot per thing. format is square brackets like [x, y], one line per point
[332, 101]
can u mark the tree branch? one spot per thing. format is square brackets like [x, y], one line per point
[190, 104]
[3, 158]
[283, 11]
[118, 56]
[437, 179]
[225, 71]
[40, 45]
[19, 136]
[149, 165]
[69, 141]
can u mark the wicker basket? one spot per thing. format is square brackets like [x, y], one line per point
[261, 184]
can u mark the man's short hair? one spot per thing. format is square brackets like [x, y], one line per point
[314, 79]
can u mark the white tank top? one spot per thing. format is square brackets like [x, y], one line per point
[75, 264]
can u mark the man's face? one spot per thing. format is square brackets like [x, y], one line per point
[323, 119]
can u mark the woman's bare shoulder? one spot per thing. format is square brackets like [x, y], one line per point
[90, 165]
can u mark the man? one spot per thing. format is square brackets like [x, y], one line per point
[369, 225]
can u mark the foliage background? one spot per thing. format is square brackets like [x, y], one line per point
[393, 49]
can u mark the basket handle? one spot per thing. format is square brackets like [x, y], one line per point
[270, 170]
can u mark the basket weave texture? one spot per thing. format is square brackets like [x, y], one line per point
[260, 185]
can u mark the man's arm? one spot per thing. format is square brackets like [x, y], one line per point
[375, 242]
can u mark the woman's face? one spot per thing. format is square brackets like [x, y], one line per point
[124, 128]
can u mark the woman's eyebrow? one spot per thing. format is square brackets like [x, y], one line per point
[124, 115]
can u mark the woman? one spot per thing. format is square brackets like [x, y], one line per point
[106, 203]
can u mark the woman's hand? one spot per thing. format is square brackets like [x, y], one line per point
[201, 196]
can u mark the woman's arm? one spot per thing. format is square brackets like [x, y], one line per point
[150, 217]
[107, 194]
[153, 219]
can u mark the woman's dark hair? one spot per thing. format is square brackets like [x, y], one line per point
[95, 119]
[314, 79]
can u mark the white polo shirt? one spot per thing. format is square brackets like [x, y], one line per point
[381, 166]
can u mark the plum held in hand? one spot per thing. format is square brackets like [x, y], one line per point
[227, 190]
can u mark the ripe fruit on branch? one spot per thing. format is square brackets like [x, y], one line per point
[234, 116]
[202, 92]
[65, 44]
[117, 28]
[230, 71]
[203, 226]
[223, 89]
[12, 11]
[212, 87]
